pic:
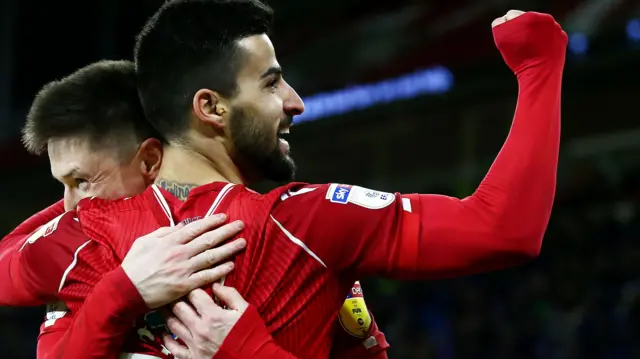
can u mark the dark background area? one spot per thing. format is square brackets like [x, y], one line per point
[580, 299]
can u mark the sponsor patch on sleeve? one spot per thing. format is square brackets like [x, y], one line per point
[363, 197]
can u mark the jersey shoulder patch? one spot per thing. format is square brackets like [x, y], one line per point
[48, 229]
[360, 196]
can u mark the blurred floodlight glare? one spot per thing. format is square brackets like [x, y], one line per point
[578, 43]
[434, 80]
[633, 29]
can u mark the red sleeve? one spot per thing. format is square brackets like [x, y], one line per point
[12, 291]
[100, 328]
[46, 255]
[250, 339]
[374, 346]
[432, 236]
[60, 262]
[51, 333]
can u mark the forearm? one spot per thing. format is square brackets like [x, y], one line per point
[503, 222]
[107, 315]
[12, 291]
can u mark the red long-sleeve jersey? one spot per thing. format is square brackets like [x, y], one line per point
[114, 233]
[44, 264]
[319, 237]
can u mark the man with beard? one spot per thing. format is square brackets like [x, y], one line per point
[226, 111]
[100, 144]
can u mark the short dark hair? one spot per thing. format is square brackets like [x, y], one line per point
[99, 101]
[188, 45]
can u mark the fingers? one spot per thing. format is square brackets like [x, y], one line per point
[196, 228]
[213, 256]
[230, 297]
[511, 14]
[214, 237]
[208, 276]
[186, 314]
[178, 350]
[179, 329]
[163, 231]
[203, 303]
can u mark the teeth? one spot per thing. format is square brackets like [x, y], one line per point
[286, 130]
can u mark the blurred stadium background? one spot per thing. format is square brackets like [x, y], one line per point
[410, 96]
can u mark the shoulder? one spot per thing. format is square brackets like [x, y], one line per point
[101, 218]
[336, 194]
[296, 189]
[48, 252]
[64, 230]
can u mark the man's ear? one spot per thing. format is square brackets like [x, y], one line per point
[150, 157]
[210, 108]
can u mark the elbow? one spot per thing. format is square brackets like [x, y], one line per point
[523, 248]
[531, 249]
[522, 237]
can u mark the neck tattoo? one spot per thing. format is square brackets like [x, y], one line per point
[180, 190]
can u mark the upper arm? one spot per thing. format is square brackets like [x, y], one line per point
[47, 254]
[12, 290]
[350, 227]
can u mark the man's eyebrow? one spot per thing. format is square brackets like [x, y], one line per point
[273, 70]
[71, 173]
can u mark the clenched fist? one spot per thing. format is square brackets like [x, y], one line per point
[529, 39]
[511, 14]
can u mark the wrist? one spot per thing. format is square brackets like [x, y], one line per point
[132, 302]
[248, 338]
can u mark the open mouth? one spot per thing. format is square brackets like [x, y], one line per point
[283, 133]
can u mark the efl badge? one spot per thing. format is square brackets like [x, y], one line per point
[360, 196]
[354, 315]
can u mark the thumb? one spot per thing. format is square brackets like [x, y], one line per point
[230, 297]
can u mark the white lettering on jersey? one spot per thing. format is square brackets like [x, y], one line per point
[291, 193]
[363, 197]
[52, 317]
[43, 231]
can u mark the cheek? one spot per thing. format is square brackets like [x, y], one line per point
[123, 183]
[70, 200]
[271, 109]
[100, 190]
[132, 181]
[74, 195]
